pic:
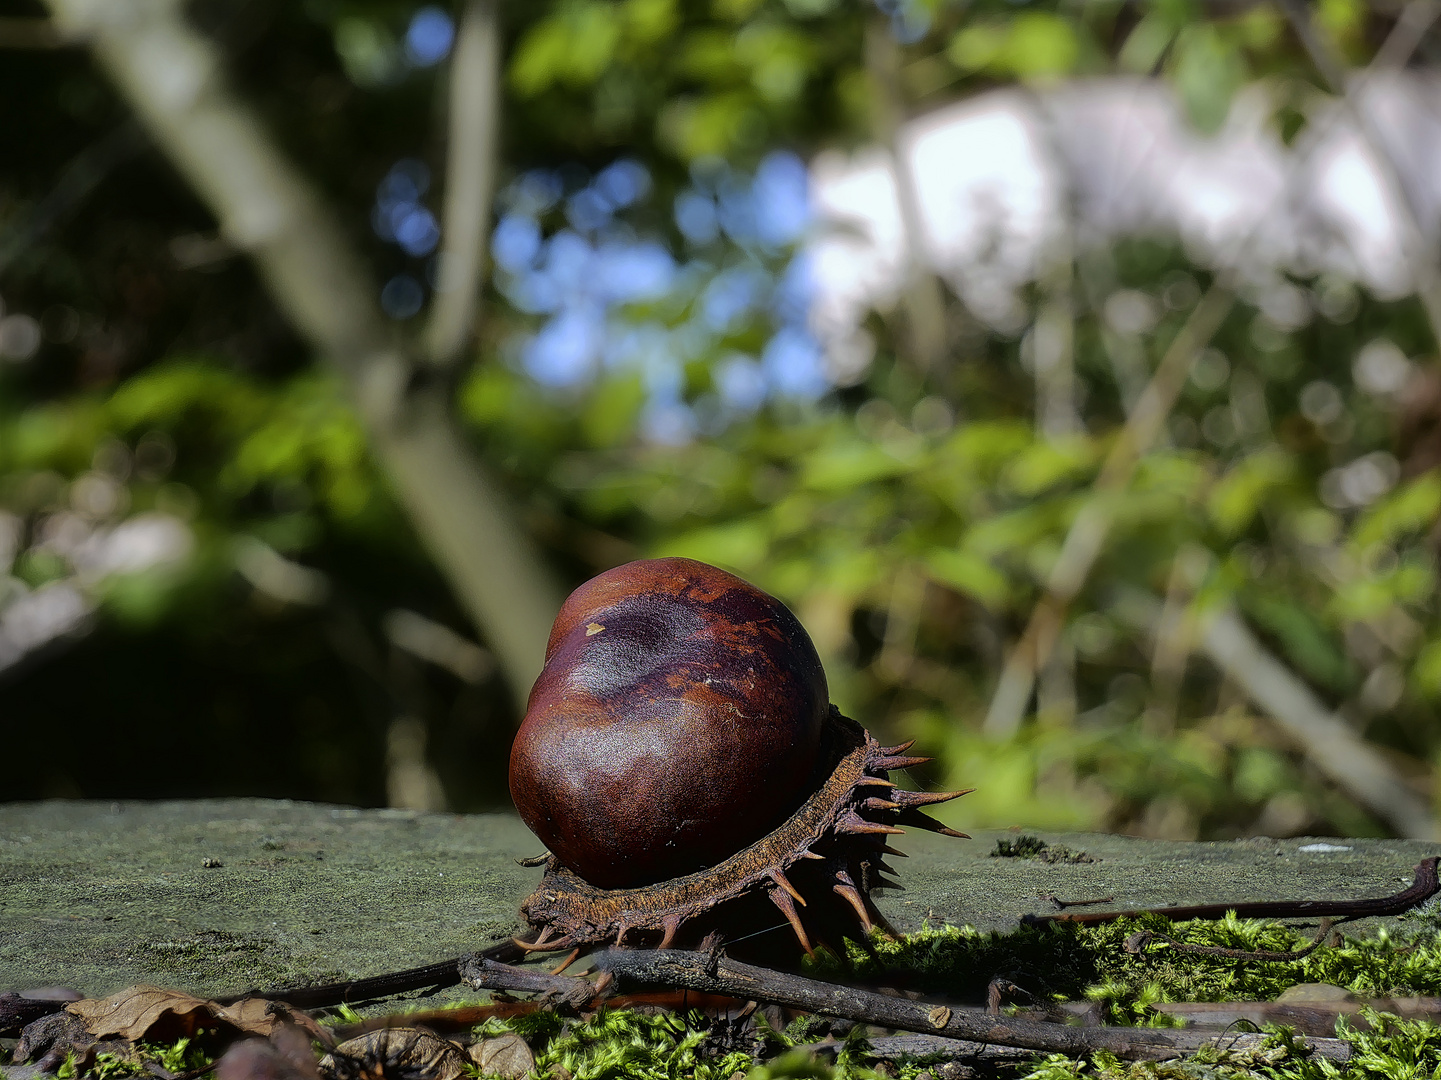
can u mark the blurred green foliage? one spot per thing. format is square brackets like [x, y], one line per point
[908, 519]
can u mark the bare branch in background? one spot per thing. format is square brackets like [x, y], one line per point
[1092, 524]
[171, 76]
[1416, 18]
[1174, 638]
[1147, 417]
[1328, 742]
[469, 182]
[1053, 350]
[19, 32]
[923, 300]
[84, 173]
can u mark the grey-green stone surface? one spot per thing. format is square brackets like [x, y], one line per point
[218, 896]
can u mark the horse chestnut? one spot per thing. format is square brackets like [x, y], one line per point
[681, 760]
[678, 718]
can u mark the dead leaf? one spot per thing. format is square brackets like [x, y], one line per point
[396, 1054]
[148, 1012]
[505, 1055]
[52, 1038]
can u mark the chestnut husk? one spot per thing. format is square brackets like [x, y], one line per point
[681, 760]
[825, 859]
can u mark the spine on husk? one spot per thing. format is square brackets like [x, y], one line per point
[817, 869]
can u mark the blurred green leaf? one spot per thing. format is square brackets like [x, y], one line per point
[739, 545]
[711, 124]
[1147, 43]
[1237, 496]
[573, 46]
[1413, 580]
[1042, 465]
[1304, 641]
[848, 465]
[1412, 507]
[611, 412]
[971, 575]
[1208, 70]
[1041, 44]
[1426, 670]
[1030, 45]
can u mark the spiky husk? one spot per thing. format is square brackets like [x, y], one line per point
[818, 868]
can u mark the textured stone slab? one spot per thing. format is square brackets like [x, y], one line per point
[98, 896]
[102, 895]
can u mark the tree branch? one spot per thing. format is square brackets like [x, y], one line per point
[1087, 534]
[1415, 19]
[719, 974]
[171, 77]
[1327, 741]
[469, 182]
[922, 297]
[1423, 887]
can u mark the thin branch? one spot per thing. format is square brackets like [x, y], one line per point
[1172, 639]
[1415, 19]
[22, 32]
[1138, 943]
[84, 173]
[1307, 1017]
[469, 182]
[1423, 887]
[1090, 528]
[171, 77]
[923, 299]
[1092, 524]
[719, 974]
[1053, 347]
[1330, 744]
[482, 973]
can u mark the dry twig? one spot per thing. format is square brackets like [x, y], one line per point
[718, 974]
[1425, 885]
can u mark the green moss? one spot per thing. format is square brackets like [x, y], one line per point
[182, 1056]
[628, 1045]
[1022, 847]
[1065, 962]
[1033, 847]
[1056, 962]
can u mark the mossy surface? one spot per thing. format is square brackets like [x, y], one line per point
[99, 896]
[1067, 963]
[213, 897]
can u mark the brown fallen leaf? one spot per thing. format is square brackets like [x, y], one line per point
[52, 1038]
[505, 1055]
[395, 1054]
[148, 1012]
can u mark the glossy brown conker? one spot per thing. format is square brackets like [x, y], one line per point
[678, 719]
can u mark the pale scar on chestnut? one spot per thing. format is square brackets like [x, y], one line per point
[688, 774]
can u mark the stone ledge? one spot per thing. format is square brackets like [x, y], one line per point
[99, 895]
